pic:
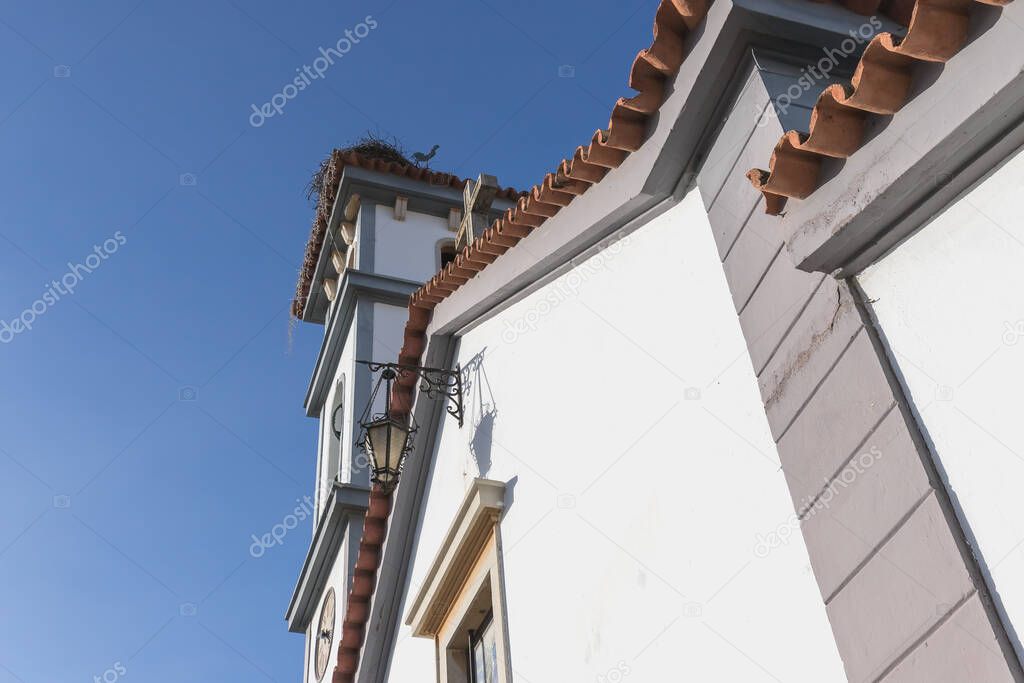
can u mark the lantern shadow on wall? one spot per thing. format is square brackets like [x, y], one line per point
[483, 411]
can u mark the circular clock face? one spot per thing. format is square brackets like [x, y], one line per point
[325, 634]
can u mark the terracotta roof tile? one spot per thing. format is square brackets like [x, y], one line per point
[328, 194]
[357, 607]
[936, 30]
[608, 148]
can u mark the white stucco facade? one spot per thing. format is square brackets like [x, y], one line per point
[619, 405]
[408, 248]
[950, 308]
[388, 323]
[652, 411]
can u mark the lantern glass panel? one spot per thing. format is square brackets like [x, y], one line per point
[385, 442]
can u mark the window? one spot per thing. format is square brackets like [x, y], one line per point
[336, 432]
[483, 652]
[447, 251]
[461, 603]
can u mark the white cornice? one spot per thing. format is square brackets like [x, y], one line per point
[345, 501]
[480, 511]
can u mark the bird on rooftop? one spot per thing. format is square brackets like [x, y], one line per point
[421, 158]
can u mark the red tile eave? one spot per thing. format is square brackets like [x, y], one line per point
[328, 195]
[608, 148]
[357, 608]
[936, 31]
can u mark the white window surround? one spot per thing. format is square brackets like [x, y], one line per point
[464, 582]
[334, 442]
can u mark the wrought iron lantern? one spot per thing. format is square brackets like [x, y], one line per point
[387, 433]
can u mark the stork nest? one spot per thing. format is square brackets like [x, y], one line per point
[369, 146]
[320, 190]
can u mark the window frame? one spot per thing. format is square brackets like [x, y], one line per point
[335, 446]
[465, 586]
[476, 638]
[444, 245]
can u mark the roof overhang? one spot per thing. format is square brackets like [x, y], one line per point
[377, 187]
[665, 166]
[355, 286]
[648, 180]
[962, 119]
[344, 503]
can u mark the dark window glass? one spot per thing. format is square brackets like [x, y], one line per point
[483, 650]
[447, 254]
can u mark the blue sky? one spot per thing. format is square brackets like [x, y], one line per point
[152, 416]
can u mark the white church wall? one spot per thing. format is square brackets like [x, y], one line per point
[408, 249]
[388, 331]
[949, 302]
[619, 403]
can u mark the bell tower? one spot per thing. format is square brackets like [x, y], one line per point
[381, 230]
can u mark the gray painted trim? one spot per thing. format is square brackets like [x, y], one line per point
[965, 539]
[649, 181]
[366, 240]
[940, 143]
[821, 373]
[575, 231]
[355, 286]
[362, 378]
[394, 579]
[986, 161]
[482, 311]
[381, 188]
[536, 258]
[423, 197]
[780, 72]
[680, 135]
[347, 504]
[793, 27]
